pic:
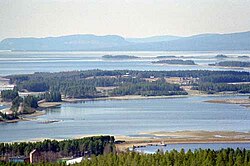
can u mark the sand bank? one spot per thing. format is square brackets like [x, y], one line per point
[44, 105]
[230, 101]
[144, 139]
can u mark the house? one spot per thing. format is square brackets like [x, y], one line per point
[19, 159]
[74, 161]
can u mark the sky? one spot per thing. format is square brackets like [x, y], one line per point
[129, 18]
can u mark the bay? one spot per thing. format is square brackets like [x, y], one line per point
[130, 117]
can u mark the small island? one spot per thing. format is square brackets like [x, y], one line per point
[231, 64]
[243, 56]
[175, 62]
[163, 57]
[221, 56]
[119, 57]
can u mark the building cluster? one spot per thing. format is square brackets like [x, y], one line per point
[36, 156]
[182, 80]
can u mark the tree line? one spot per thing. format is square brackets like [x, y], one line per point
[93, 145]
[82, 84]
[232, 64]
[223, 157]
[221, 87]
[9, 95]
[157, 88]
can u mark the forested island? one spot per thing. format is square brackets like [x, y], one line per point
[92, 83]
[119, 57]
[165, 56]
[175, 62]
[221, 56]
[98, 84]
[243, 56]
[232, 64]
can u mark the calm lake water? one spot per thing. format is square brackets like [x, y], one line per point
[193, 146]
[2, 107]
[130, 117]
[30, 62]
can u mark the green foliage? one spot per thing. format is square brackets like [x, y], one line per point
[225, 78]
[9, 95]
[220, 87]
[53, 96]
[82, 84]
[232, 64]
[34, 86]
[119, 57]
[157, 88]
[30, 101]
[94, 145]
[16, 103]
[176, 61]
[227, 157]
[198, 157]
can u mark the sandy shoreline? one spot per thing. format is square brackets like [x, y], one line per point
[230, 101]
[45, 105]
[178, 137]
[127, 97]
[139, 97]
[241, 102]
[148, 138]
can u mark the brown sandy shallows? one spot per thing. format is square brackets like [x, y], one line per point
[43, 105]
[247, 106]
[127, 97]
[178, 137]
[230, 101]
[182, 137]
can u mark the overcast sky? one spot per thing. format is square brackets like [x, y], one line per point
[129, 18]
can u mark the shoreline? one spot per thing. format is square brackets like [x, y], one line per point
[164, 138]
[182, 137]
[139, 97]
[127, 97]
[242, 102]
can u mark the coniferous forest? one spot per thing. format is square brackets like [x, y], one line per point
[224, 157]
[83, 84]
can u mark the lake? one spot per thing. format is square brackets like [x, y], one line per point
[130, 117]
[122, 117]
[30, 62]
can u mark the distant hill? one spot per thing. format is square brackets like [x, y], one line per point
[64, 43]
[153, 39]
[202, 42]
